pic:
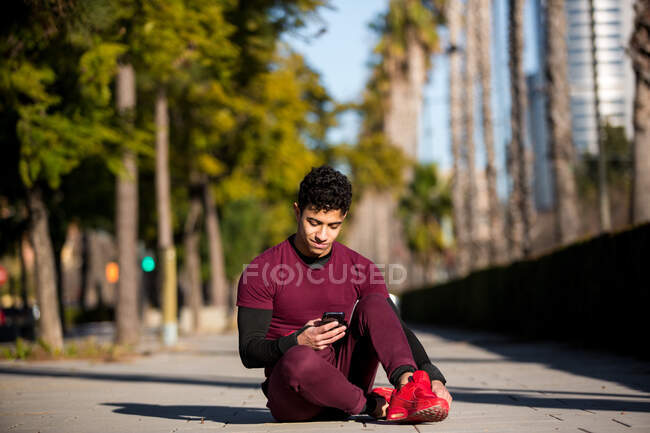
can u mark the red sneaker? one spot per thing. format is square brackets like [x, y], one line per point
[385, 393]
[415, 402]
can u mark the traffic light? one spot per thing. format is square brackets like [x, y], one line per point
[148, 264]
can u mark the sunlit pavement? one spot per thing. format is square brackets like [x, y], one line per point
[498, 384]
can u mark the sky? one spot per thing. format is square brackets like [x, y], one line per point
[341, 54]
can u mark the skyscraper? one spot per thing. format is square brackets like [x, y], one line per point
[613, 20]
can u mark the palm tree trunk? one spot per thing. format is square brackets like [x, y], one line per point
[219, 292]
[520, 207]
[640, 52]
[46, 277]
[603, 189]
[456, 116]
[495, 245]
[559, 122]
[470, 147]
[165, 240]
[127, 321]
[192, 258]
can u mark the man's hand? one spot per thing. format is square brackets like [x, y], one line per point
[318, 336]
[440, 390]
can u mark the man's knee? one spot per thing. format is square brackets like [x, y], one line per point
[371, 303]
[299, 362]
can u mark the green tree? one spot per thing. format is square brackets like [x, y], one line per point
[423, 208]
[60, 117]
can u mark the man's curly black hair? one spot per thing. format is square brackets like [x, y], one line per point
[325, 189]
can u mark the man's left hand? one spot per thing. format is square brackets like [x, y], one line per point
[440, 390]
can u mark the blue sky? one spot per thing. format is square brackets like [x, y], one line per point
[342, 52]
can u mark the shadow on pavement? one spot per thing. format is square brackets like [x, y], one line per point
[220, 414]
[588, 403]
[627, 371]
[51, 372]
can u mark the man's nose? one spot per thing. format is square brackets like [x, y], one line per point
[322, 233]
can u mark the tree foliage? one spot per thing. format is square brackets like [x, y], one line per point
[424, 207]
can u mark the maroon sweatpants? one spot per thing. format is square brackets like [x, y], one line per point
[305, 382]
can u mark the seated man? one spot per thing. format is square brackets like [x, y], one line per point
[317, 368]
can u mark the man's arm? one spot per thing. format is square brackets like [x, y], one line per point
[255, 350]
[420, 356]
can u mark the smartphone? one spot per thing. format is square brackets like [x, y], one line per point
[331, 316]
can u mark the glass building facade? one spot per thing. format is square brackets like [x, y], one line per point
[612, 20]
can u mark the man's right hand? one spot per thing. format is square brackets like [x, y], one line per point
[318, 336]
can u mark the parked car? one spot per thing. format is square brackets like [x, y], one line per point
[17, 322]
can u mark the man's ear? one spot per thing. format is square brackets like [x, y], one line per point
[296, 211]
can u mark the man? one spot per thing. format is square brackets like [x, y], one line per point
[317, 369]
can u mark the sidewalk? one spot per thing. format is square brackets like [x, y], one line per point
[499, 385]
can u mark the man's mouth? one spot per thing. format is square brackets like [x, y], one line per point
[319, 246]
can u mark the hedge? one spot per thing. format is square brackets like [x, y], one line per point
[595, 292]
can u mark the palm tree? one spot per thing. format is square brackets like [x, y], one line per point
[495, 245]
[520, 209]
[640, 53]
[408, 39]
[165, 240]
[559, 122]
[406, 70]
[127, 322]
[471, 216]
[603, 189]
[456, 114]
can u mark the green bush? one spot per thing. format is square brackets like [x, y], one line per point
[595, 292]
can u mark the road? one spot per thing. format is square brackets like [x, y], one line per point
[498, 384]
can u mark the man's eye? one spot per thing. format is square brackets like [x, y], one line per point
[334, 226]
[313, 223]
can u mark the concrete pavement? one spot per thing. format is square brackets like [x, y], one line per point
[498, 384]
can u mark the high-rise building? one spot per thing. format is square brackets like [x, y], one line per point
[612, 26]
[613, 23]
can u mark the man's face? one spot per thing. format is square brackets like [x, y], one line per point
[317, 230]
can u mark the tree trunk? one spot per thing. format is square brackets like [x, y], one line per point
[218, 290]
[456, 117]
[407, 77]
[520, 206]
[640, 53]
[470, 147]
[381, 238]
[559, 122]
[603, 189]
[495, 244]
[165, 239]
[46, 279]
[192, 257]
[126, 221]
